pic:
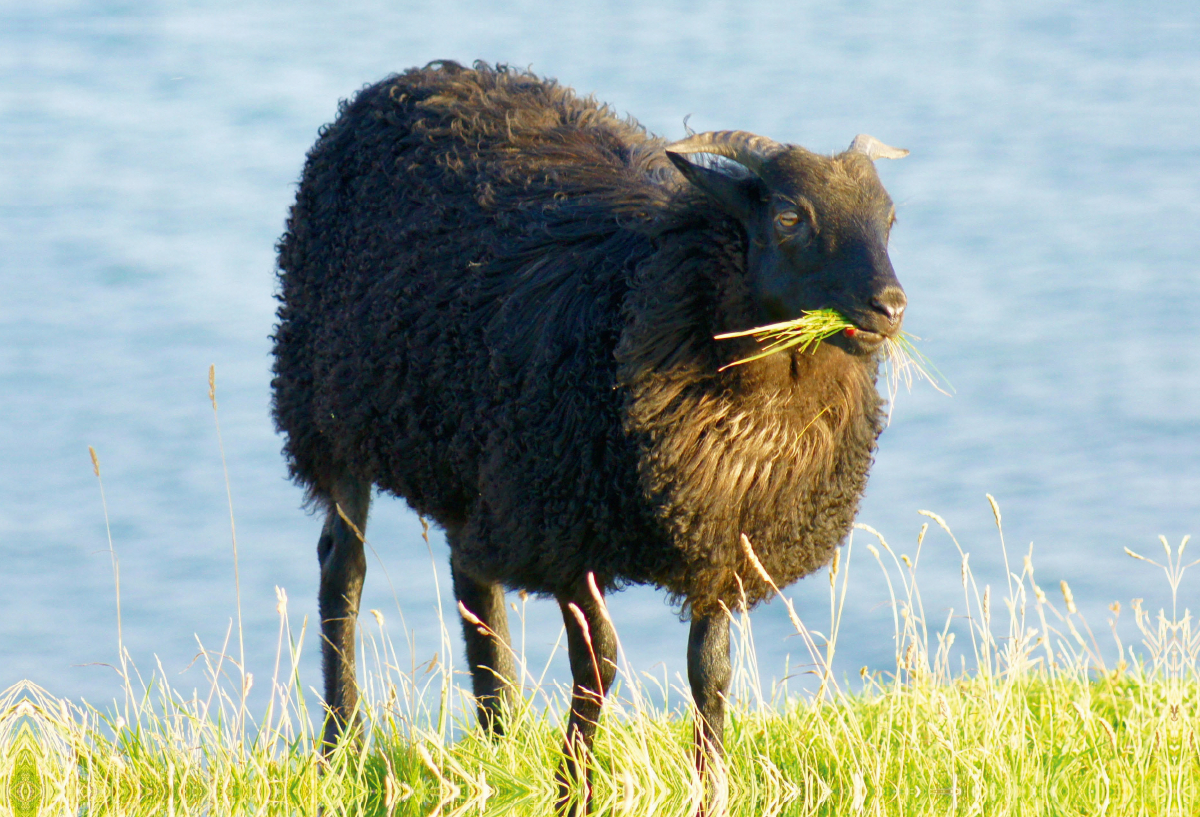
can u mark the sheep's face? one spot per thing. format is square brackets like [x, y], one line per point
[818, 230]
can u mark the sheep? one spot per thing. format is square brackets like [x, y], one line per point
[499, 302]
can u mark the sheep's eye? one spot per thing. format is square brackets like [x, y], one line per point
[793, 227]
[788, 219]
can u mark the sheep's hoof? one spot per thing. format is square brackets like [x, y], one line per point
[574, 782]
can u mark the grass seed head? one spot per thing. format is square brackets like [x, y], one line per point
[1068, 597]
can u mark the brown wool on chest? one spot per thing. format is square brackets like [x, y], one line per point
[772, 452]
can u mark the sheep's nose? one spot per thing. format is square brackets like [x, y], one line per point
[890, 303]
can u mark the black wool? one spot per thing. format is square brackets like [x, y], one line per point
[499, 302]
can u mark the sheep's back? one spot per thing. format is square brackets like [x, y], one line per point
[451, 281]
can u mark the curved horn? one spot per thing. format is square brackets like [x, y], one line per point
[745, 148]
[873, 149]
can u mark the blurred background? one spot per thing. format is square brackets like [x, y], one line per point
[149, 151]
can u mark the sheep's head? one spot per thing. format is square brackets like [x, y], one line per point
[817, 226]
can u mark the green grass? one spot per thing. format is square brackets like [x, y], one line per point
[1022, 716]
[905, 363]
[804, 332]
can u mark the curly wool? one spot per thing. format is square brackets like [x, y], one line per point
[499, 302]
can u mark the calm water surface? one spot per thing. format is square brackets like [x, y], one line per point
[149, 151]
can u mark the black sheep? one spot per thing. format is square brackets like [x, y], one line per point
[499, 302]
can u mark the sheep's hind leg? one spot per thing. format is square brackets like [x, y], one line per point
[489, 651]
[592, 648]
[709, 673]
[343, 566]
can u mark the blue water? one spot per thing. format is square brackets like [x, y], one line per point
[148, 152]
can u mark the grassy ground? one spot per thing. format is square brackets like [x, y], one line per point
[1024, 719]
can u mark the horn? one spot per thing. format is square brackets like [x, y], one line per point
[873, 149]
[745, 148]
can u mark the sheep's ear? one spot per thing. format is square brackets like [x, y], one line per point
[736, 194]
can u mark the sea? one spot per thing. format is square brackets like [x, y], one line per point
[1047, 239]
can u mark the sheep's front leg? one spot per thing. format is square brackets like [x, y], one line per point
[592, 647]
[343, 566]
[709, 673]
[489, 651]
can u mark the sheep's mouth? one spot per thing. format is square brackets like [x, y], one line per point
[866, 332]
[865, 339]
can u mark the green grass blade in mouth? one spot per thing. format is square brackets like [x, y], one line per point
[905, 362]
[806, 331]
